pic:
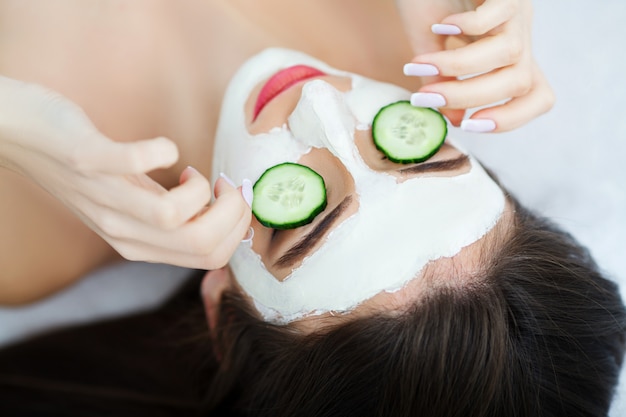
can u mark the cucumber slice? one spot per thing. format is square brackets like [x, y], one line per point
[407, 134]
[288, 195]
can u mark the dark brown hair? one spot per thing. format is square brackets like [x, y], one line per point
[540, 333]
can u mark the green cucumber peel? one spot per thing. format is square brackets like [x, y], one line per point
[406, 134]
[288, 195]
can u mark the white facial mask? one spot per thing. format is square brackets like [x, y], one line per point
[398, 228]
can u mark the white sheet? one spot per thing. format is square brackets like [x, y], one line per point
[567, 164]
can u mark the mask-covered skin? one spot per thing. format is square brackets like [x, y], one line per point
[384, 222]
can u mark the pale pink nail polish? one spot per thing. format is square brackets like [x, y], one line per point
[420, 70]
[248, 237]
[246, 191]
[442, 29]
[228, 180]
[478, 125]
[188, 173]
[428, 100]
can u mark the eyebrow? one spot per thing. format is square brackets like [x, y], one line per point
[306, 243]
[436, 166]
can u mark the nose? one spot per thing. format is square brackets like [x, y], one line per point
[322, 119]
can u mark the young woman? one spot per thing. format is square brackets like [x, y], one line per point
[420, 288]
[75, 173]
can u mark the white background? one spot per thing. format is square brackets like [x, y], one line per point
[569, 164]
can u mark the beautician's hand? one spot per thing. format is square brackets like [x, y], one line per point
[49, 139]
[495, 41]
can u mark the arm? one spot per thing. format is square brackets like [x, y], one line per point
[49, 140]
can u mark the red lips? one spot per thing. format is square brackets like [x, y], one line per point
[281, 81]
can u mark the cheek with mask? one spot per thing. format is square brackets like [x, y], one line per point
[399, 226]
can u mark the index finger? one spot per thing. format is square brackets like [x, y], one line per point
[484, 55]
[109, 157]
[210, 236]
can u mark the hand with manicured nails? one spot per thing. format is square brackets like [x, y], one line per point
[50, 140]
[476, 54]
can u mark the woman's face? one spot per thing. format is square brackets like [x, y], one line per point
[383, 222]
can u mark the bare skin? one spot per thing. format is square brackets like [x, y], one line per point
[148, 68]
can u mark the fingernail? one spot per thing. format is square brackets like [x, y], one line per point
[187, 173]
[478, 125]
[246, 191]
[441, 29]
[228, 180]
[249, 236]
[428, 100]
[420, 70]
